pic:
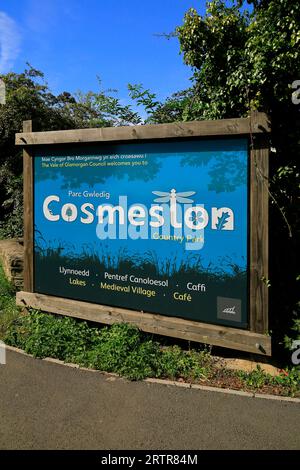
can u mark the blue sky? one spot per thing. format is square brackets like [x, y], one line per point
[73, 41]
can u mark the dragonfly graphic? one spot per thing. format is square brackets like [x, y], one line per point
[173, 196]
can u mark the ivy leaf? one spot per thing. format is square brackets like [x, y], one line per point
[222, 220]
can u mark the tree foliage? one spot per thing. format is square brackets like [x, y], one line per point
[246, 59]
[28, 97]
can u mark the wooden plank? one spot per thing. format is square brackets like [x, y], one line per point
[169, 326]
[28, 214]
[258, 123]
[259, 234]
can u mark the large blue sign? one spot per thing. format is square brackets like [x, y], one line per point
[154, 227]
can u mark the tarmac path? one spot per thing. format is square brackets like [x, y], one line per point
[45, 405]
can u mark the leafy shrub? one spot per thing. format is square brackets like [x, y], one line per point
[12, 224]
[123, 349]
[8, 308]
[44, 335]
[120, 348]
[256, 378]
[288, 380]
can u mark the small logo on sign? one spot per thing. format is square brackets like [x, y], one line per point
[229, 309]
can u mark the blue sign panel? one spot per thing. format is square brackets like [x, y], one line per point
[156, 227]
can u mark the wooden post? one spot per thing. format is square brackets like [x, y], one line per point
[259, 236]
[28, 214]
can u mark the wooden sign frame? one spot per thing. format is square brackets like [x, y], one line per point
[256, 129]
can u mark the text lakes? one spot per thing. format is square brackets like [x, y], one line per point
[128, 289]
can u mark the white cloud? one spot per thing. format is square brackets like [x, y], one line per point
[9, 42]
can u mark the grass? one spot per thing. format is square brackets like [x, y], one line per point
[8, 309]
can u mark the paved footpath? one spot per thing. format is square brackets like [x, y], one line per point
[50, 406]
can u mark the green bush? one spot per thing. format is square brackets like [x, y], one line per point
[29, 97]
[255, 379]
[175, 362]
[44, 335]
[295, 332]
[290, 380]
[8, 309]
[124, 350]
[287, 380]
[120, 348]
